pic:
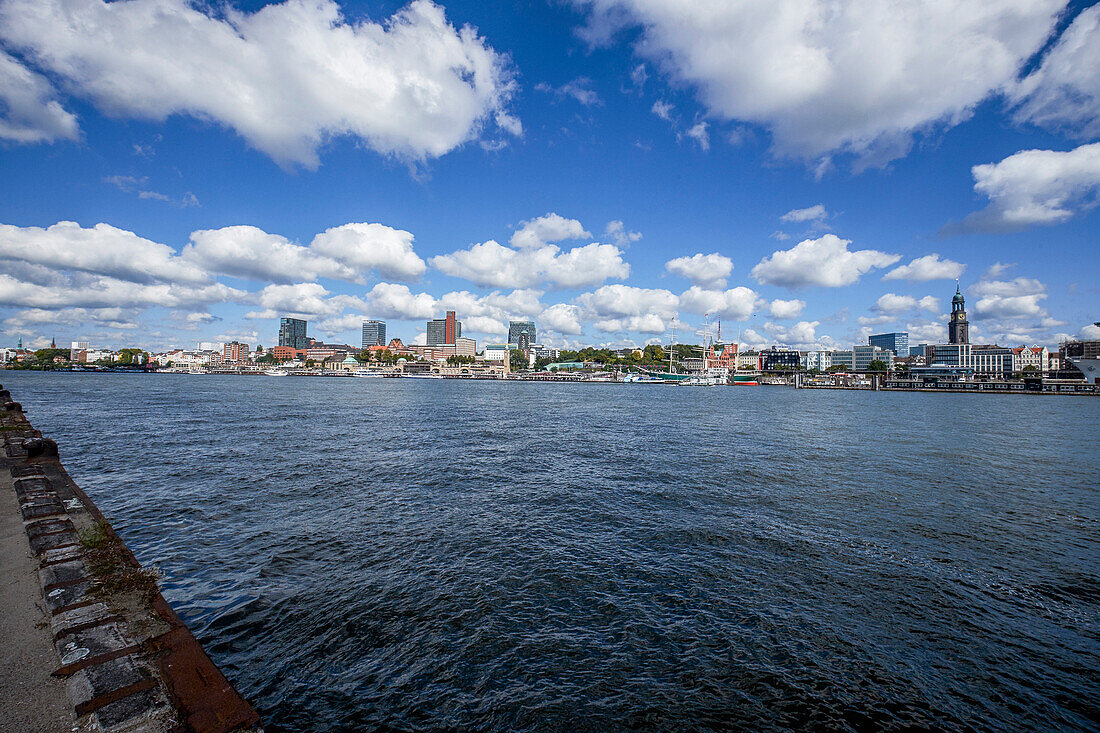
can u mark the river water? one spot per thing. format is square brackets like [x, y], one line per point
[363, 554]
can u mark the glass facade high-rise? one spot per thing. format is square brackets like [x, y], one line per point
[895, 342]
[522, 334]
[374, 333]
[443, 330]
[292, 333]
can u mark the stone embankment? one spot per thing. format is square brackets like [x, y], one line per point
[92, 645]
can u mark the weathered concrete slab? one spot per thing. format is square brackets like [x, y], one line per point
[41, 543]
[42, 527]
[129, 661]
[62, 554]
[59, 598]
[92, 642]
[146, 711]
[39, 507]
[82, 617]
[60, 574]
[26, 470]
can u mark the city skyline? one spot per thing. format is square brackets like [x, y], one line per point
[595, 174]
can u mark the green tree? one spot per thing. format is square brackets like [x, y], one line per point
[878, 365]
[653, 354]
[46, 356]
[127, 357]
[517, 360]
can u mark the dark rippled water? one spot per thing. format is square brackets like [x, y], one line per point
[425, 555]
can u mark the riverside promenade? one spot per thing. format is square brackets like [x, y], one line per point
[88, 643]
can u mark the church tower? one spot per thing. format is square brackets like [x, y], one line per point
[958, 330]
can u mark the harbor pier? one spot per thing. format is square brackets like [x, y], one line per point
[88, 642]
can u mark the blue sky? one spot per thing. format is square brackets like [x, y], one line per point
[806, 172]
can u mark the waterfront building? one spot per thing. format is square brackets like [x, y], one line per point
[78, 351]
[898, 343]
[992, 360]
[292, 333]
[918, 350]
[522, 334]
[235, 352]
[443, 330]
[841, 358]
[958, 329]
[820, 360]
[374, 333]
[778, 357]
[463, 346]
[692, 364]
[748, 361]
[983, 360]
[538, 351]
[498, 352]
[1055, 361]
[1036, 357]
[862, 356]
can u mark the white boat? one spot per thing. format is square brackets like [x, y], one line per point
[368, 375]
[704, 380]
[422, 376]
[643, 379]
[276, 373]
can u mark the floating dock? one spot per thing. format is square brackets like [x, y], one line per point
[92, 644]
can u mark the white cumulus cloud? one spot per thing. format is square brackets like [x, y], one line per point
[825, 261]
[891, 303]
[362, 246]
[561, 318]
[626, 302]
[1063, 94]
[929, 267]
[286, 77]
[1009, 299]
[29, 110]
[786, 308]
[824, 77]
[1034, 187]
[102, 249]
[490, 264]
[738, 303]
[708, 271]
[543, 230]
[251, 253]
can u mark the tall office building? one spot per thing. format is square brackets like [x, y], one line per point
[895, 342]
[374, 333]
[443, 330]
[292, 333]
[522, 334]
